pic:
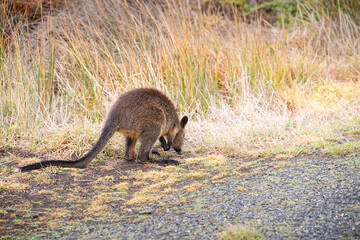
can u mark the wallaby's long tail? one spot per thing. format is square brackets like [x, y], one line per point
[82, 162]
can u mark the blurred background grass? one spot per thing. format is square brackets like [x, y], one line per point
[252, 74]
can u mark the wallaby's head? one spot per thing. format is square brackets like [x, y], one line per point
[179, 137]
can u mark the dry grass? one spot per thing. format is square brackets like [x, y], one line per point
[240, 189]
[210, 160]
[248, 88]
[153, 175]
[143, 198]
[219, 176]
[140, 183]
[43, 178]
[105, 179]
[192, 187]
[98, 207]
[282, 156]
[13, 186]
[245, 166]
[160, 185]
[281, 164]
[197, 175]
[122, 187]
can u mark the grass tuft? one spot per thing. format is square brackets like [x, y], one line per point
[240, 233]
[13, 186]
[192, 187]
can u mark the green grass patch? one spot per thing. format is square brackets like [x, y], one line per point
[342, 149]
[240, 232]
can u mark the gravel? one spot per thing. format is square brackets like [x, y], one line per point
[311, 198]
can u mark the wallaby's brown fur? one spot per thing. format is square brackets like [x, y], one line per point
[143, 114]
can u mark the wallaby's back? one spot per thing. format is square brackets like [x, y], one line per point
[141, 106]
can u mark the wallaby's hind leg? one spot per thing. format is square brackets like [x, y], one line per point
[130, 150]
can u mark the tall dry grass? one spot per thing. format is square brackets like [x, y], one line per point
[247, 87]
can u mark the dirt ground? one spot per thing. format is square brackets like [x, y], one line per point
[197, 199]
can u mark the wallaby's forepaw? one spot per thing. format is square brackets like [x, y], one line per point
[166, 147]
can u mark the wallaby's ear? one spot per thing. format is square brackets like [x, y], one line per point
[184, 121]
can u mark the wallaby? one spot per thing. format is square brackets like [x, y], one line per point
[143, 114]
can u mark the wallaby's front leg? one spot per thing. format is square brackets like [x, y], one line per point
[147, 142]
[155, 149]
[163, 143]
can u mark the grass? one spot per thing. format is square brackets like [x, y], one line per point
[239, 232]
[342, 149]
[247, 88]
[13, 186]
[192, 187]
